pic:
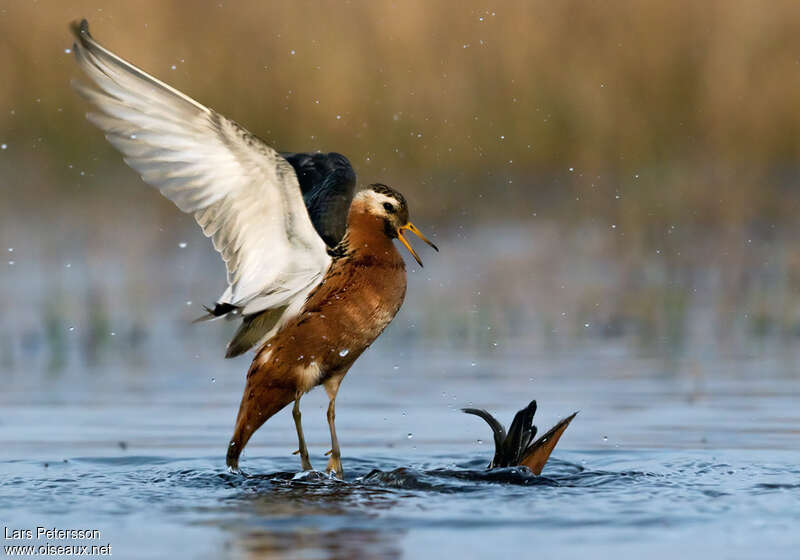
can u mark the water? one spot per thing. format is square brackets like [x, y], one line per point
[652, 464]
[686, 441]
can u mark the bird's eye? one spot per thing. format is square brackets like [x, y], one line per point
[388, 207]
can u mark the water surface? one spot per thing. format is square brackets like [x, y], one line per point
[116, 413]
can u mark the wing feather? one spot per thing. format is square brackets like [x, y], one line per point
[242, 193]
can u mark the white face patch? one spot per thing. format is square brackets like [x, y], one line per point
[374, 201]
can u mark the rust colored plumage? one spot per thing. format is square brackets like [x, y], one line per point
[358, 297]
[309, 309]
[538, 453]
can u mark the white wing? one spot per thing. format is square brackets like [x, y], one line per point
[243, 194]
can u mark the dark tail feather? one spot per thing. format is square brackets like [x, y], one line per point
[220, 310]
[537, 454]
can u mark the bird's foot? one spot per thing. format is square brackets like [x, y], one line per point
[335, 466]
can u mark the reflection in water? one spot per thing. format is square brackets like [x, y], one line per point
[315, 543]
[304, 519]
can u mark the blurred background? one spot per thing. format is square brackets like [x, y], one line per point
[615, 189]
[618, 170]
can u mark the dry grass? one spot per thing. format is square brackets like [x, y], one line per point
[457, 102]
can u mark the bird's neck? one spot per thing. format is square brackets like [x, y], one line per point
[366, 235]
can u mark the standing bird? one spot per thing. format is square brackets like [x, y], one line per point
[313, 272]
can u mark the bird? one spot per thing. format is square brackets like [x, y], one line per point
[516, 447]
[313, 272]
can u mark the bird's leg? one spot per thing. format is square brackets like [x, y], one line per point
[335, 461]
[300, 438]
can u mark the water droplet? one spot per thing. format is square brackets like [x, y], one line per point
[68, 265]
[112, 333]
[213, 380]
[173, 67]
[396, 368]
[71, 329]
[188, 303]
[480, 442]
[410, 435]
[11, 249]
[586, 325]
[291, 51]
[182, 244]
[67, 51]
[605, 438]
[12, 263]
[338, 117]
[3, 146]
[344, 352]
[473, 364]
[571, 169]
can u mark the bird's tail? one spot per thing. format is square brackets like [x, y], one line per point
[227, 310]
[253, 329]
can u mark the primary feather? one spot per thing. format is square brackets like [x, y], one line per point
[243, 194]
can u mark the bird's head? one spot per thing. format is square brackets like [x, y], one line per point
[390, 208]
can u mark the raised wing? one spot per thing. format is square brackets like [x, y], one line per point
[328, 182]
[244, 195]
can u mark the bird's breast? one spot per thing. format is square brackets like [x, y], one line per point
[359, 296]
[363, 294]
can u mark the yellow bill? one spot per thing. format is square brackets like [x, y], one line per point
[413, 229]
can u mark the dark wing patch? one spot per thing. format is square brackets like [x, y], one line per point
[328, 183]
[520, 434]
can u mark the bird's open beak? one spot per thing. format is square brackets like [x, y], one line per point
[413, 229]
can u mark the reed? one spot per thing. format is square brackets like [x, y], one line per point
[688, 110]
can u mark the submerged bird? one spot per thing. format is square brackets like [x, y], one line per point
[313, 272]
[515, 448]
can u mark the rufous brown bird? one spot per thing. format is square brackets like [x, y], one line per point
[313, 271]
